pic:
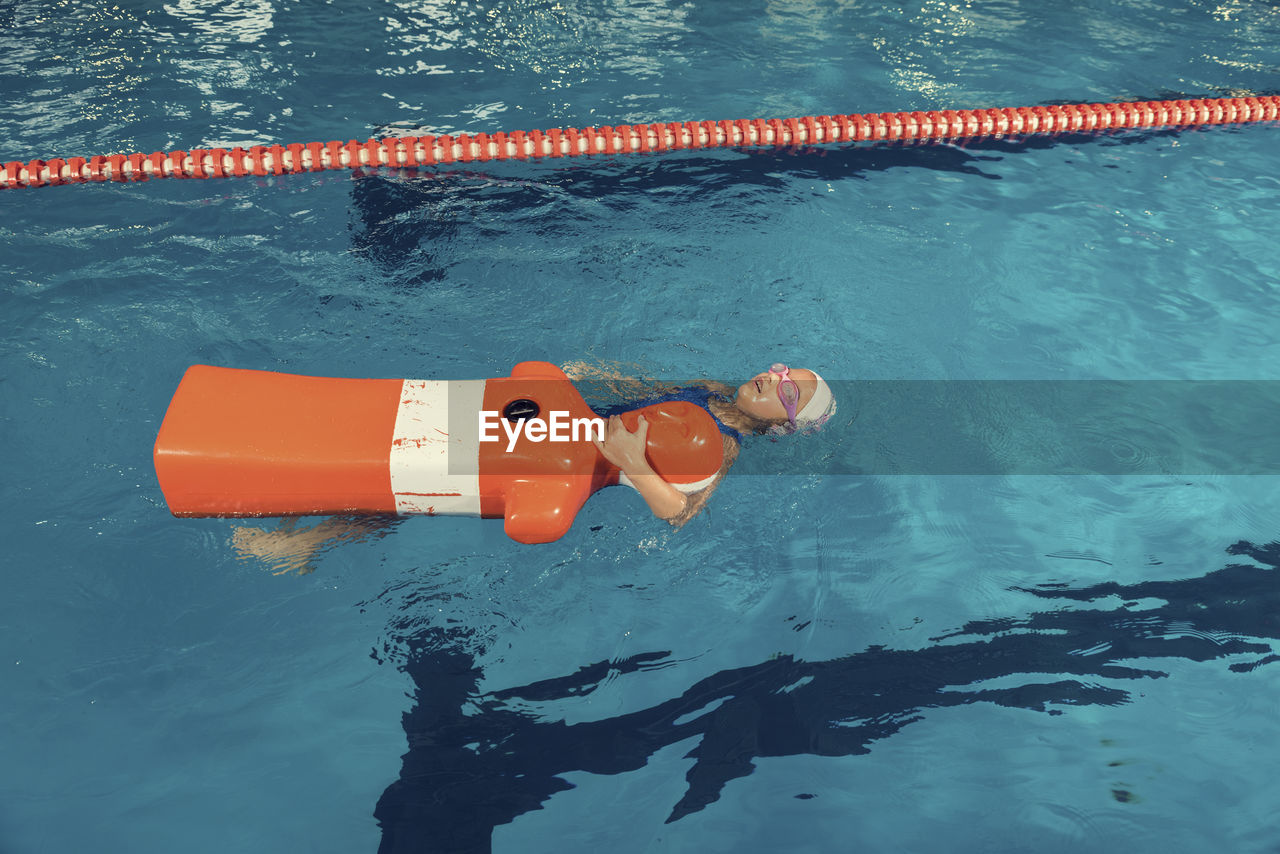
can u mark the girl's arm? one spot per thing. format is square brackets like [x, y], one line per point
[698, 500]
[626, 450]
[663, 499]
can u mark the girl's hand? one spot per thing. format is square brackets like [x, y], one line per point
[622, 447]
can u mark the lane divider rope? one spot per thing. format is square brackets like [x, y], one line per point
[414, 151]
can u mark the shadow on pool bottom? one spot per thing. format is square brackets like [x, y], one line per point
[467, 772]
[405, 219]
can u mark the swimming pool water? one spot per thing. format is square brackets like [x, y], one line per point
[818, 662]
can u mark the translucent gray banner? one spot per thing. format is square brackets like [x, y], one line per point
[1000, 427]
[995, 427]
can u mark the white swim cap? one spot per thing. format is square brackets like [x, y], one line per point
[819, 408]
[813, 414]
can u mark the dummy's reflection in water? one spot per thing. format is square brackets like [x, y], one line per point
[473, 764]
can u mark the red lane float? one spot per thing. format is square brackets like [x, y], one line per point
[256, 443]
[413, 151]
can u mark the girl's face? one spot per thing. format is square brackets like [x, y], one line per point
[758, 396]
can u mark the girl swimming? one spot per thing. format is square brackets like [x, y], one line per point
[777, 401]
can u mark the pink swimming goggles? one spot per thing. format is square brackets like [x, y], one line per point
[788, 391]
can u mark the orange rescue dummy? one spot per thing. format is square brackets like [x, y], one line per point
[257, 443]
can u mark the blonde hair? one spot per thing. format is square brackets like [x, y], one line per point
[723, 408]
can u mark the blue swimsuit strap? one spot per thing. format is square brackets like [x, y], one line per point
[698, 395]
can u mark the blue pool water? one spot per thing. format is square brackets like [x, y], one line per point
[818, 662]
